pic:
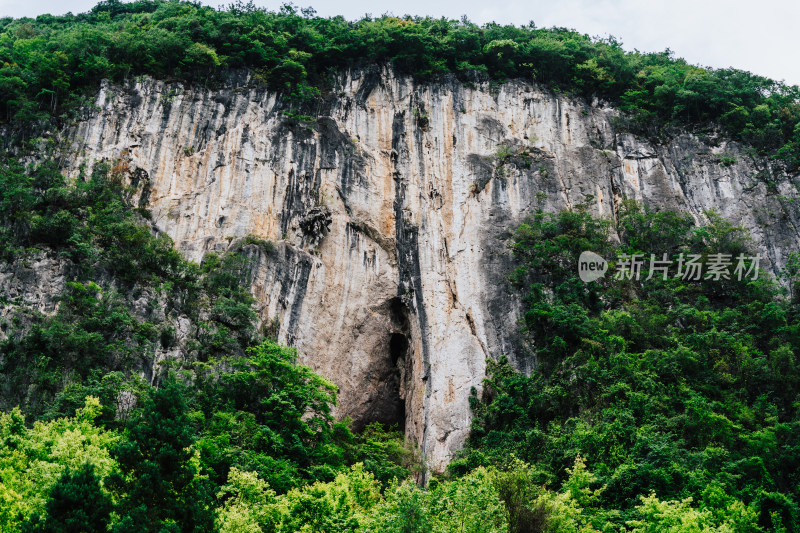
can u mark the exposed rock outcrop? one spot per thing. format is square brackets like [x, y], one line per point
[30, 283]
[392, 212]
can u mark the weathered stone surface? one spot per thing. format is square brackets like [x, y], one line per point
[30, 283]
[404, 297]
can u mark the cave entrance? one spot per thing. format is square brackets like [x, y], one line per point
[391, 407]
[398, 347]
[400, 357]
[387, 403]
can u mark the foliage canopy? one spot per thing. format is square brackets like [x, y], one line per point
[50, 64]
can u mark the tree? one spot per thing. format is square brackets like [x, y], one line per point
[268, 403]
[32, 460]
[160, 484]
[662, 387]
[77, 504]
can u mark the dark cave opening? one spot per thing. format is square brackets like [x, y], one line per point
[398, 347]
[387, 403]
[399, 360]
[393, 409]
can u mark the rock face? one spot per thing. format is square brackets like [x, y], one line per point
[391, 213]
[30, 284]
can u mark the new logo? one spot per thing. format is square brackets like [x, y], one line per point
[591, 266]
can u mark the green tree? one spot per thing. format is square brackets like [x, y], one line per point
[159, 484]
[77, 504]
[33, 460]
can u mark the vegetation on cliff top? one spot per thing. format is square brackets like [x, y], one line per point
[50, 64]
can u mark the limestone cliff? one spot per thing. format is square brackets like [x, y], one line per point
[392, 211]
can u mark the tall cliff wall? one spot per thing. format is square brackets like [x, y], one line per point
[392, 212]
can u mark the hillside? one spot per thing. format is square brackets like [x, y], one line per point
[266, 271]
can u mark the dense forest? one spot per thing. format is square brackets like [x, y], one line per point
[50, 64]
[655, 405]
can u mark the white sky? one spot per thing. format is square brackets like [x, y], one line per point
[760, 36]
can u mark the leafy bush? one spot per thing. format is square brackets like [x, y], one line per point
[112, 258]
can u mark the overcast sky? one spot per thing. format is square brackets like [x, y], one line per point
[759, 36]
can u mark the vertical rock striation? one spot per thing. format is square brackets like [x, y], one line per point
[392, 212]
